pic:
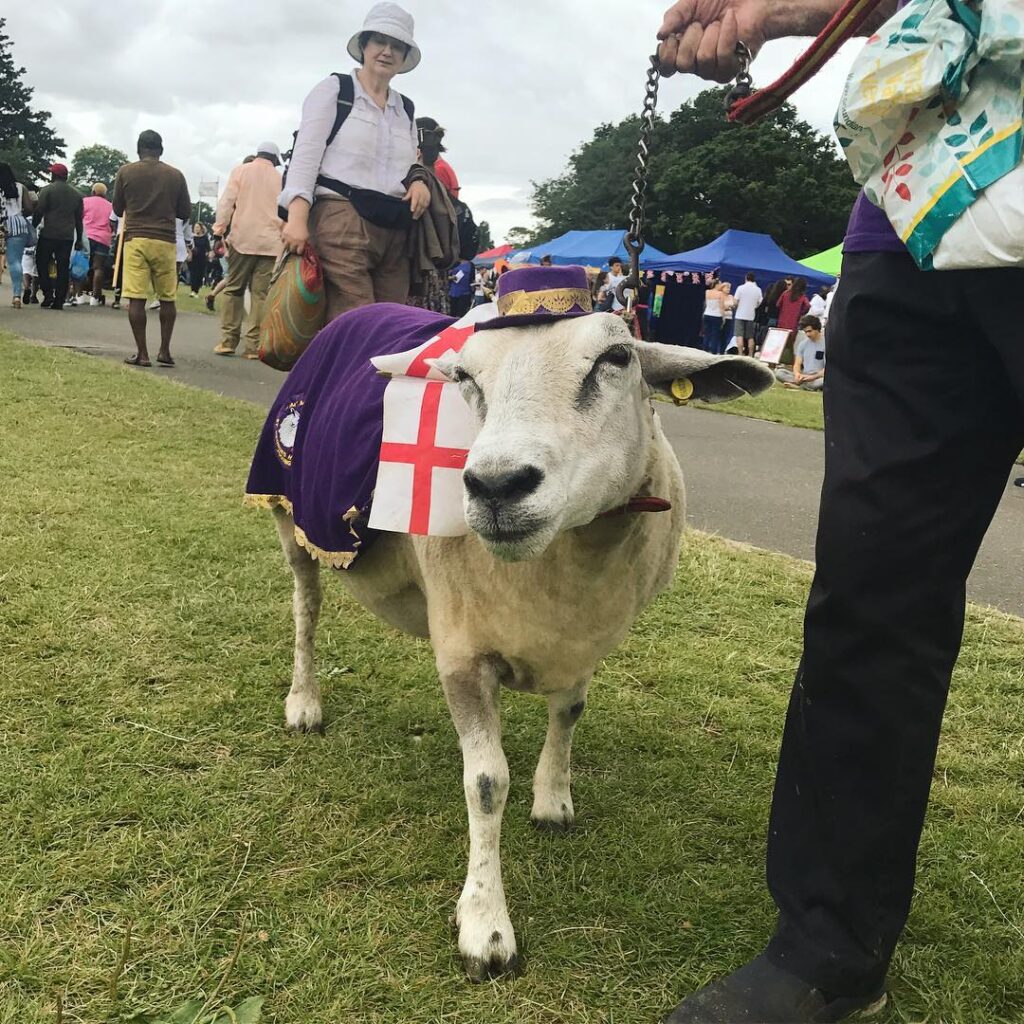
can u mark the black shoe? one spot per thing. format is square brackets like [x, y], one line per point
[46, 304]
[761, 993]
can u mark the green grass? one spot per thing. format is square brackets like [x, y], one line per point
[779, 405]
[147, 780]
[186, 303]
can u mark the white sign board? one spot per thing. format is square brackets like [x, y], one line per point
[209, 189]
[774, 342]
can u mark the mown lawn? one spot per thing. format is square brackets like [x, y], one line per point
[780, 405]
[147, 780]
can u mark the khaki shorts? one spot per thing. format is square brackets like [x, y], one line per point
[149, 262]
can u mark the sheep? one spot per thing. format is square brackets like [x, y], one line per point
[557, 565]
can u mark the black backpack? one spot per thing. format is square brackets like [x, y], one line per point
[469, 233]
[346, 97]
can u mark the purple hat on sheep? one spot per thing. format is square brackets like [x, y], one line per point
[540, 295]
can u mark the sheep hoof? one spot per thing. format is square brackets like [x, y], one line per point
[479, 969]
[553, 813]
[303, 715]
[553, 825]
[307, 730]
[487, 941]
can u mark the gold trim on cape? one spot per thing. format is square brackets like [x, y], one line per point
[334, 559]
[548, 300]
[267, 501]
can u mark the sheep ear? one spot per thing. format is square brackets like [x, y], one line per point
[714, 378]
[444, 365]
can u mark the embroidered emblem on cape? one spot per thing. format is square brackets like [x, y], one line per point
[285, 429]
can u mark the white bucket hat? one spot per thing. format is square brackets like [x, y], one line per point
[389, 20]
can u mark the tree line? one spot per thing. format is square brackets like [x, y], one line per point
[779, 177]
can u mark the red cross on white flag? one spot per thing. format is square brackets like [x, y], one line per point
[428, 431]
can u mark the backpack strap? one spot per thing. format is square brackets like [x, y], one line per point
[346, 96]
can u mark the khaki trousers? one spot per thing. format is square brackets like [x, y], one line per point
[244, 271]
[362, 262]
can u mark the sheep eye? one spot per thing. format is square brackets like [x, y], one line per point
[617, 355]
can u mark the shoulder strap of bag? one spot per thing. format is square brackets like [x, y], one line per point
[346, 97]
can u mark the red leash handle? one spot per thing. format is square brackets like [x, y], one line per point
[845, 24]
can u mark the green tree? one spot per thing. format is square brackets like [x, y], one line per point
[95, 163]
[203, 212]
[522, 238]
[486, 241]
[779, 177]
[27, 142]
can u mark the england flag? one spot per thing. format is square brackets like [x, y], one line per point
[428, 431]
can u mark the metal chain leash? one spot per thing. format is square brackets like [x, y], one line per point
[634, 237]
[744, 83]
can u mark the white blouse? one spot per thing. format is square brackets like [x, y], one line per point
[374, 148]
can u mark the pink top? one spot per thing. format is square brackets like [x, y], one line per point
[96, 214]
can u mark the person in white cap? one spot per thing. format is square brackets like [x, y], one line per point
[353, 184]
[247, 220]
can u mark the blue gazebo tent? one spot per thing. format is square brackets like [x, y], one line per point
[734, 253]
[584, 248]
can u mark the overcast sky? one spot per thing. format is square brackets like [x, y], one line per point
[518, 85]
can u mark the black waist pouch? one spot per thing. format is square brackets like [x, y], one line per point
[379, 209]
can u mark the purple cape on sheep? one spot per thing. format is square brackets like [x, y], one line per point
[317, 455]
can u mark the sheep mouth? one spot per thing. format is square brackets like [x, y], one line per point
[511, 539]
[507, 537]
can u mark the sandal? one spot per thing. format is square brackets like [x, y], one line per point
[169, 361]
[136, 361]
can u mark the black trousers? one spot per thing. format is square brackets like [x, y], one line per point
[924, 416]
[196, 273]
[460, 305]
[60, 251]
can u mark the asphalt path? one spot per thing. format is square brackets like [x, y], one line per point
[746, 480]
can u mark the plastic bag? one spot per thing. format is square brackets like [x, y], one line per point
[79, 265]
[930, 121]
[295, 309]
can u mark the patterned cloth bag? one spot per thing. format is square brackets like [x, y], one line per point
[295, 309]
[930, 121]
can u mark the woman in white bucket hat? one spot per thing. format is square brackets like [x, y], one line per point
[353, 184]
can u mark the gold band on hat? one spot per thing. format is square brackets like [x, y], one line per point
[549, 300]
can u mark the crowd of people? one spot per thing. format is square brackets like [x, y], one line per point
[739, 323]
[366, 186]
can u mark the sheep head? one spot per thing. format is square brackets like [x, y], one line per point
[566, 422]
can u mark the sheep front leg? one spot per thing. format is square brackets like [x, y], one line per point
[486, 939]
[552, 795]
[302, 709]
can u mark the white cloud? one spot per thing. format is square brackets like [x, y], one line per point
[518, 86]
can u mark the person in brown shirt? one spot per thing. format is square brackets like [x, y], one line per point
[150, 194]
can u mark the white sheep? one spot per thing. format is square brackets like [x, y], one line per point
[556, 568]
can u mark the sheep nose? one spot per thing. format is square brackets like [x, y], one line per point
[507, 486]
